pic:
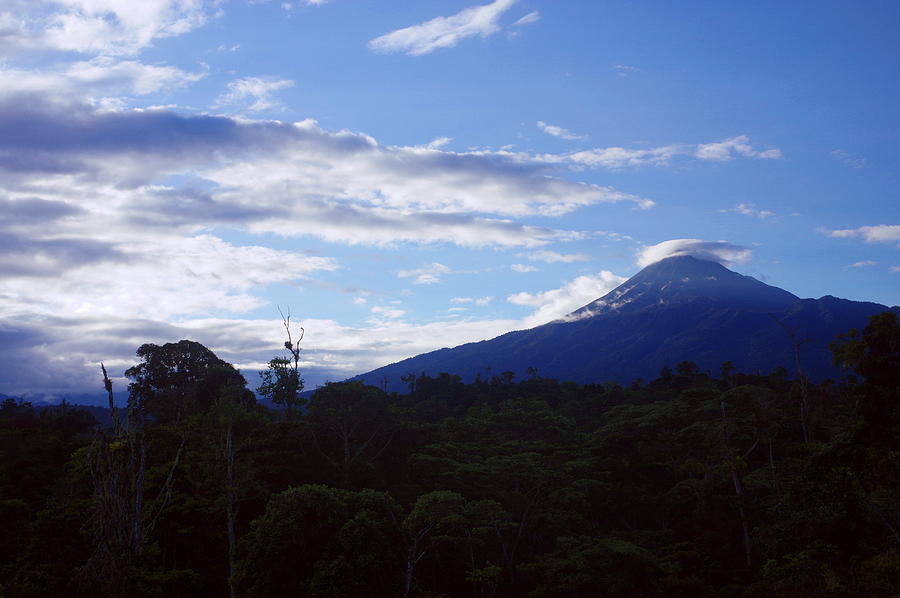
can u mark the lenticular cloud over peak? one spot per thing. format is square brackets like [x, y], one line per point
[721, 252]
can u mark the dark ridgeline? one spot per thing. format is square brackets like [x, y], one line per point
[680, 308]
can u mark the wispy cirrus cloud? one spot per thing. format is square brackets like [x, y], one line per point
[552, 257]
[480, 301]
[624, 70]
[389, 313]
[444, 32]
[748, 209]
[560, 132]
[532, 17]
[848, 159]
[613, 158]
[722, 151]
[428, 274]
[254, 92]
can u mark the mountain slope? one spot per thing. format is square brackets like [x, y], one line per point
[678, 309]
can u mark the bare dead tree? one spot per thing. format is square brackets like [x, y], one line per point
[113, 412]
[291, 346]
[804, 382]
[120, 521]
[735, 465]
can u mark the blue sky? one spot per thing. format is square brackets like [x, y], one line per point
[408, 175]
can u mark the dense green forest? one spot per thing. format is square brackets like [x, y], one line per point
[693, 484]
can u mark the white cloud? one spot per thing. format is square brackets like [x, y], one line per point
[357, 171]
[444, 32]
[388, 312]
[624, 70]
[717, 251]
[748, 209]
[558, 131]
[554, 304]
[108, 27]
[863, 264]
[108, 222]
[438, 143]
[523, 268]
[853, 161]
[620, 157]
[290, 179]
[554, 257]
[614, 158]
[532, 17]
[895, 268]
[481, 302]
[145, 276]
[101, 75]
[257, 90]
[736, 146]
[429, 274]
[881, 233]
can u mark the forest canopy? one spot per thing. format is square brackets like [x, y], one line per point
[692, 484]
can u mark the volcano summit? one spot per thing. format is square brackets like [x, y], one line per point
[678, 309]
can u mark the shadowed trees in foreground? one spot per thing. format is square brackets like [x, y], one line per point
[687, 485]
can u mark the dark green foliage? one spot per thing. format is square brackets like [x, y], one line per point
[597, 568]
[875, 355]
[686, 485]
[176, 380]
[281, 384]
[318, 541]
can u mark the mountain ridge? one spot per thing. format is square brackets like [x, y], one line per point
[678, 309]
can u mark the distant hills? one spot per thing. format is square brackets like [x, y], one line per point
[678, 309]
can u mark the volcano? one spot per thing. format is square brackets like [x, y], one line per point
[678, 309]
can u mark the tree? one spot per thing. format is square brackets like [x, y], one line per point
[230, 427]
[351, 424]
[875, 354]
[436, 518]
[589, 567]
[175, 380]
[281, 381]
[318, 541]
[173, 390]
